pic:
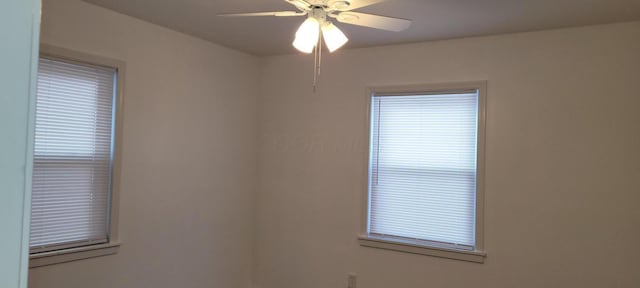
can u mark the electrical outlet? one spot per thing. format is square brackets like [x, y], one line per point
[351, 280]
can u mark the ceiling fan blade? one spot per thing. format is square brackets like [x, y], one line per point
[275, 13]
[373, 21]
[356, 4]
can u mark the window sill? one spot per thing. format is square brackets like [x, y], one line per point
[72, 254]
[471, 256]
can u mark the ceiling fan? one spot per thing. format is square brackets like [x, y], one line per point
[318, 13]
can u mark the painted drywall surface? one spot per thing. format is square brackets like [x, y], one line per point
[19, 28]
[189, 152]
[562, 162]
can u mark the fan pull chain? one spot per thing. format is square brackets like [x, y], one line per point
[319, 55]
[317, 63]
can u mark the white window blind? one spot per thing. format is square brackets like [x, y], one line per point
[422, 181]
[73, 155]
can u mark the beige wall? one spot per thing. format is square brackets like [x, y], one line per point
[189, 155]
[562, 162]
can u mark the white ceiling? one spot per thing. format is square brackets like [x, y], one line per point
[432, 19]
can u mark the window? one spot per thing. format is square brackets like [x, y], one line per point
[73, 170]
[425, 182]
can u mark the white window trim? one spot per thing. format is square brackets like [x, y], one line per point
[111, 247]
[421, 247]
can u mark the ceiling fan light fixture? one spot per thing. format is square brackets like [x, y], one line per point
[307, 35]
[333, 37]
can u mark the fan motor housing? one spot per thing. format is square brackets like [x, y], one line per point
[338, 5]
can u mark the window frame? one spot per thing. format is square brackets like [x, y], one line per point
[113, 244]
[423, 247]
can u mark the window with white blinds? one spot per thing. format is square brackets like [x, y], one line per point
[73, 155]
[422, 174]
